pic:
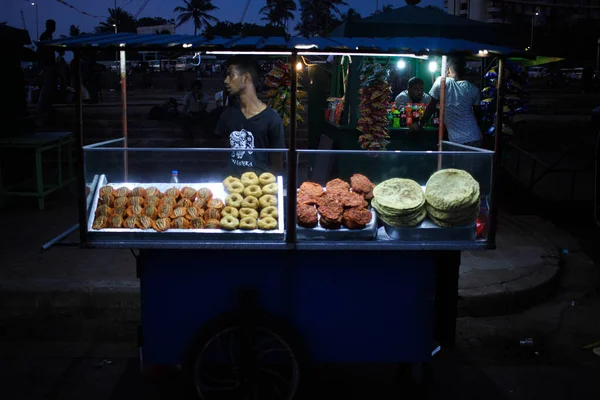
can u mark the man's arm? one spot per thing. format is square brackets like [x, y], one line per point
[434, 93]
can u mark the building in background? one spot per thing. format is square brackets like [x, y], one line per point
[506, 11]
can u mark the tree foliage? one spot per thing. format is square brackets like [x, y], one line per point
[231, 29]
[279, 12]
[319, 17]
[197, 11]
[117, 16]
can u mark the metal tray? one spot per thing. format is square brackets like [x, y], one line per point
[369, 232]
[427, 231]
[126, 234]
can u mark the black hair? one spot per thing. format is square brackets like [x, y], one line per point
[50, 23]
[246, 65]
[458, 65]
[415, 81]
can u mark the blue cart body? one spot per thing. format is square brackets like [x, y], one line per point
[348, 306]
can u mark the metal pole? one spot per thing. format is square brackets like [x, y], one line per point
[124, 112]
[292, 162]
[442, 107]
[81, 186]
[60, 237]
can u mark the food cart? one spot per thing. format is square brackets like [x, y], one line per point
[250, 306]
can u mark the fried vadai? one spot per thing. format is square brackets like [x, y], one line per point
[356, 218]
[188, 193]
[204, 193]
[248, 212]
[179, 212]
[136, 201]
[150, 212]
[144, 222]
[212, 224]
[361, 184]
[173, 192]
[130, 222]
[250, 202]
[248, 223]
[235, 187]
[194, 212]
[185, 202]
[271, 188]
[100, 222]
[122, 192]
[266, 178]
[153, 192]
[161, 224]
[164, 211]
[197, 223]
[268, 200]
[122, 211]
[170, 201]
[234, 200]
[103, 210]
[138, 191]
[121, 202]
[212, 213]
[107, 191]
[180, 223]
[152, 201]
[107, 199]
[215, 203]
[253, 190]
[249, 178]
[116, 221]
[134, 210]
[337, 184]
[267, 224]
[229, 223]
[229, 180]
[270, 211]
[230, 211]
[307, 215]
[311, 189]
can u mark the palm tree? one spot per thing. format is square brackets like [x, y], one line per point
[279, 12]
[74, 30]
[196, 11]
[318, 17]
[124, 21]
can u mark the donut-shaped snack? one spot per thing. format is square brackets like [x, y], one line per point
[266, 179]
[270, 211]
[250, 202]
[249, 178]
[267, 224]
[229, 223]
[271, 188]
[229, 180]
[253, 190]
[230, 211]
[213, 224]
[268, 200]
[248, 212]
[248, 223]
[234, 200]
[235, 187]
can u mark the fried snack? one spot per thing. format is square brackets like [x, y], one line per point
[164, 211]
[212, 213]
[270, 188]
[311, 189]
[356, 218]
[100, 222]
[161, 224]
[201, 202]
[188, 193]
[107, 199]
[230, 211]
[197, 223]
[138, 191]
[253, 190]
[250, 202]
[235, 187]
[249, 178]
[229, 223]
[268, 200]
[306, 215]
[103, 210]
[215, 203]
[267, 223]
[234, 200]
[130, 222]
[136, 201]
[144, 222]
[178, 212]
[116, 221]
[152, 201]
[121, 192]
[266, 179]
[331, 224]
[150, 212]
[337, 185]
[362, 185]
[173, 192]
[168, 200]
[248, 223]
[248, 212]
[185, 202]
[122, 211]
[121, 202]
[180, 223]
[106, 191]
[331, 210]
[213, 224]
[194, 212]
[153, 192]
[270, 211]
[346, 199]
[229, 180]
[134, 211]
[204, 193]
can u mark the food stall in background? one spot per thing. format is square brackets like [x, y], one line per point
[283, 253]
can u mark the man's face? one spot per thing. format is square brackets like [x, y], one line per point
[235, 82]
[416, 92]
[196, 90]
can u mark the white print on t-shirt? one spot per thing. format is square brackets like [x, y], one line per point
[242, 141]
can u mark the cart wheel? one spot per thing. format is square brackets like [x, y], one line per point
[220, 366]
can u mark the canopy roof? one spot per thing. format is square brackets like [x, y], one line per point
[396, 45]
[415, 21]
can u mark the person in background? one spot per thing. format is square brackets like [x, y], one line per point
[62, 71]
[414, 94]
[462, 105]
[194, 109]
[48, 70]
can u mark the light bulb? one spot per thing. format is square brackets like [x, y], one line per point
[299, 65]
[432, 66]
[401, 64]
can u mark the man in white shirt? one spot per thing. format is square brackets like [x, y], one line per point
[462, 103]
[414, 94]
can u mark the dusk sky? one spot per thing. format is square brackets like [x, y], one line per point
[230, 10]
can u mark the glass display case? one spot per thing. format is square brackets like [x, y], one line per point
[153, 197]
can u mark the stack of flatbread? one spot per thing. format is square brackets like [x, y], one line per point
[452, 197]
[399, 202]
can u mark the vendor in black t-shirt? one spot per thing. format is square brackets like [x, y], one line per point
[249, 124]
